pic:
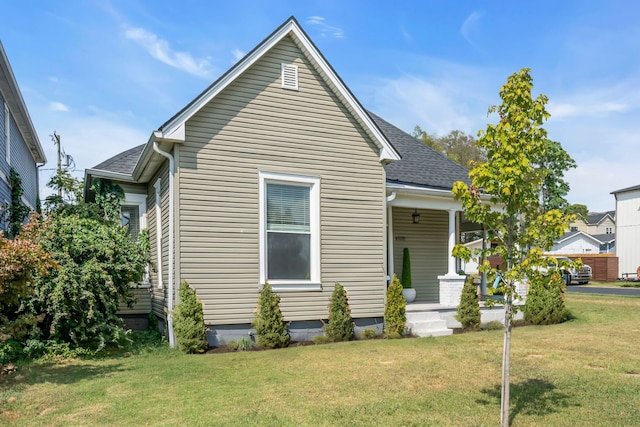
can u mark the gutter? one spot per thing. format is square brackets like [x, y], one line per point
[171, 290]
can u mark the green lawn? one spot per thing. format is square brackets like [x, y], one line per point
[585, 372]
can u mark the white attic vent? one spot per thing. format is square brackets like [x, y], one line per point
[289, 76]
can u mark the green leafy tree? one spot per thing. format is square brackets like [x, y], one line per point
[506, 195]
[79, 300]
[269, 322]
[456, 145]
[579, 210]
[188, 322]
[468, 311]
[395, 313]
[406, 269]
[340, 326]
[68, 192]
[22, 260]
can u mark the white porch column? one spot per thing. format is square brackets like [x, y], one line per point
[390, 271]
[451, 271]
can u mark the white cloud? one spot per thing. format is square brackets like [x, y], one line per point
[58, 106]
[318, 22]
[160, 50]
[237, 54]
[54, 79]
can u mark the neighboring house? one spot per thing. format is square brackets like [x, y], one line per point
[596, 223]
[576, 242]
[628, 226]
[276, 173]
[20, 147]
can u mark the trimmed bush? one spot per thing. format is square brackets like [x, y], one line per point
[269, 323]
[468, 312]
[340, 327]
[188, 322]
[545, 300]
[406, 269]
[395, 315]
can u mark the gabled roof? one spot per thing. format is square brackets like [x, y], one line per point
[595, 218]
[421, 165]
[605, 238]
[571, 234]
[174, 127]
[122, 163]
[13, 97]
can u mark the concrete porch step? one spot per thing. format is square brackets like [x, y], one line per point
[427, 324]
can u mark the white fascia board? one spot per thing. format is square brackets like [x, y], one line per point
[97, 173]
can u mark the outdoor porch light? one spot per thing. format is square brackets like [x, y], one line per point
[416, 217]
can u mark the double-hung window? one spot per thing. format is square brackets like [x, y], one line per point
[289, 231]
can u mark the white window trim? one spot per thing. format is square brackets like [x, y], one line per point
[7, 133]
[314, 283]
[139, 200]
[158, 206]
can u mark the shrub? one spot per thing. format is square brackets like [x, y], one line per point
[188, 322]
[368, 334]
[268, 322]
[545, 300]
[406, 269]
[468, 312]
[321, 339]
[340, 327]
[97, 262]
[395, 316]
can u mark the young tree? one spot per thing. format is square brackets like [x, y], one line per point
[507, 195]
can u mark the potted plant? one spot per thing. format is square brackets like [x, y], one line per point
[408, 292]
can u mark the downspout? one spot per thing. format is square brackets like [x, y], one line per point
[171, 287]
[389, 218]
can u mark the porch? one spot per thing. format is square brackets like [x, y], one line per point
[435, 320]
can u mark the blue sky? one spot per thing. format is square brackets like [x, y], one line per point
[105, 74]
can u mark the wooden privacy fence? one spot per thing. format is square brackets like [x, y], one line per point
[604, 267]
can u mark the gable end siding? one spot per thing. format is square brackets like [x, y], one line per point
[255, 125]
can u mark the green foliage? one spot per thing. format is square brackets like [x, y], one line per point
[395, 316]
[545, 303]
[22, 261]
[188, 322]
[16, 211]
[340, 326]
[406, 269]
[108, 196]
[68, 196]
[268, 322]
[468, 311]
[80, 299]
[456, 145]
[369, 334]
[321, 339]
[522, 165]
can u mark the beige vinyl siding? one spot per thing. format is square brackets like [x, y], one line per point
[142, 304]
[254, 125]
[158, 296]
[427, 243]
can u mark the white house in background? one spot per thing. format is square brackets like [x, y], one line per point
[576, 242]
[628, 229]
[471, 266]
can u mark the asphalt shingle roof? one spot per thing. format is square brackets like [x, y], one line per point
[596, 217]
[421, 165]
[123, 162]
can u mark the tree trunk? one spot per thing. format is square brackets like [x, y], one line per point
[506, 363]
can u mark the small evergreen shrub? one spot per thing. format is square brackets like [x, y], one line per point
[268, 322]
[395, 316]
[468, 311]
[368, 334]
[406, 269]
[321, 339]
[545, 300]
[188, 322]
[340, 327]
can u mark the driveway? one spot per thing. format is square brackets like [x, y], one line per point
[605, 291]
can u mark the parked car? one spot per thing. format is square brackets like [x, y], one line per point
[571, 275]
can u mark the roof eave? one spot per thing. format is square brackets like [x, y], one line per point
[13, 97]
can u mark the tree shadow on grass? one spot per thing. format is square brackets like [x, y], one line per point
[531, 397]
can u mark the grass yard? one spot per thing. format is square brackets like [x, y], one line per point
[585, 372]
